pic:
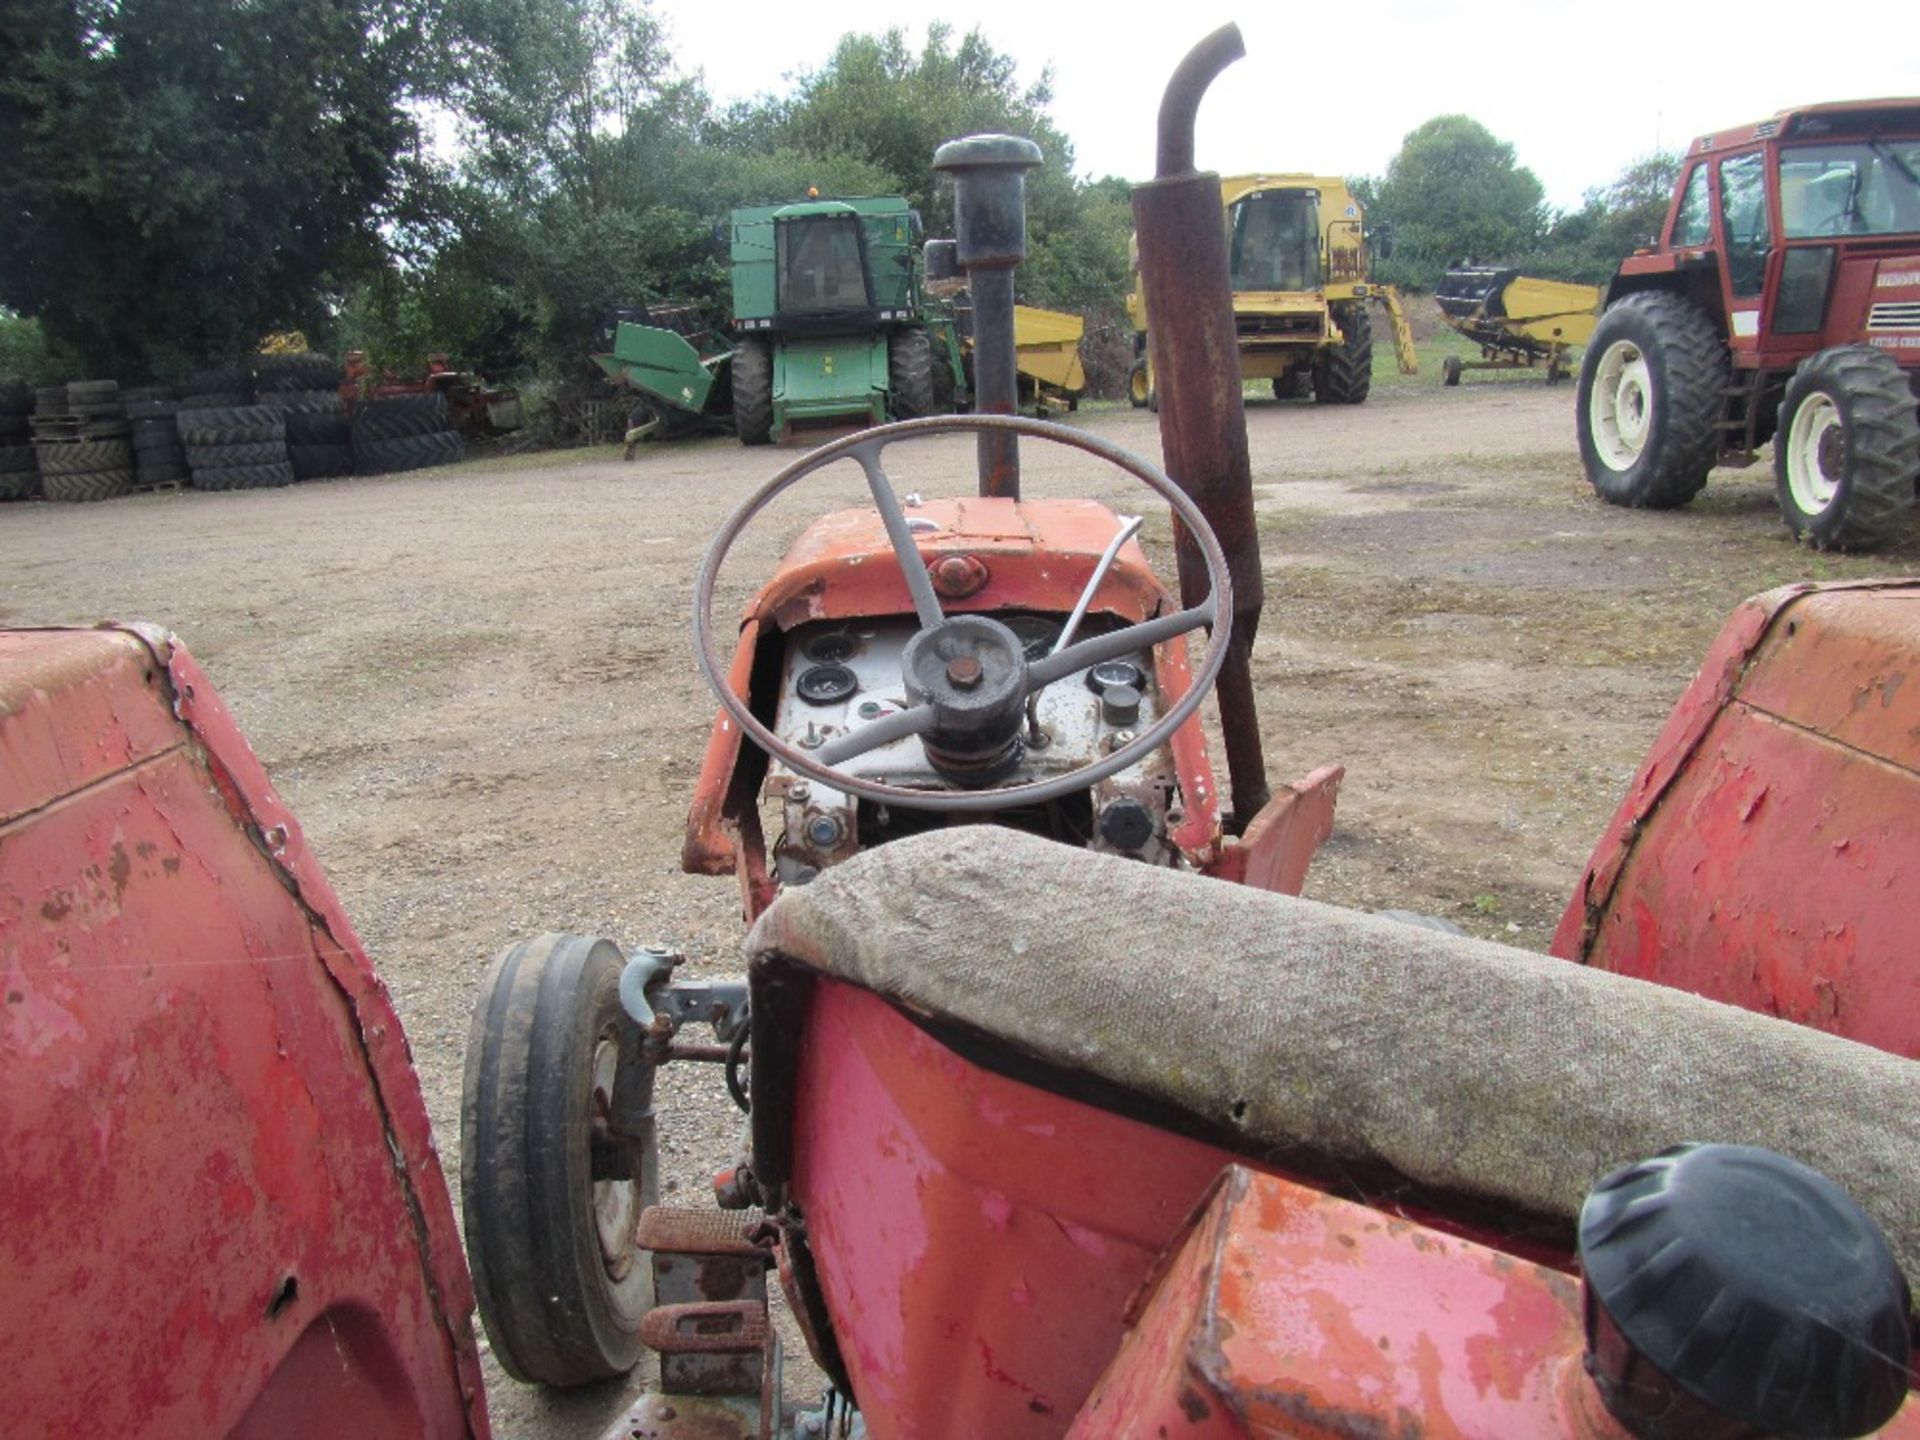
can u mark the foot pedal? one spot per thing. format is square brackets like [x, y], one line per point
[709, 1319]
[670, 1230]
[706, 1327]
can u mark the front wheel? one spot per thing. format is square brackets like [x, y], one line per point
[1652, 386]
[1847, 453]
[1343, 373]
[910, 374]
[753, 392]
[551, 1190]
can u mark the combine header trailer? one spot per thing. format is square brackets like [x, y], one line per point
[1517, 321]
[1065, 1119]
[1781, 302]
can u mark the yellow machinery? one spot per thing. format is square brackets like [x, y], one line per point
[1297, 249]
[1046, 343]
[1516, 320]
[1047, 352]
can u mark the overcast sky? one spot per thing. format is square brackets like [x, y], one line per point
[1578, 89]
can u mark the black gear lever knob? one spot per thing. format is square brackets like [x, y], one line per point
[1732, 1292]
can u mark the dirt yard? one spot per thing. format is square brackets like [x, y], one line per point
[475, 687]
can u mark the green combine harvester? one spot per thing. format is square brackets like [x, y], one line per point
[829, 326]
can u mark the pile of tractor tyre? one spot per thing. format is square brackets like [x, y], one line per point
[280, 419]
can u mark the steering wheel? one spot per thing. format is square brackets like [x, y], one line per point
[967, 676]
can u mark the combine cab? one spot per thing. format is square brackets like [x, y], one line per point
[1782, 303]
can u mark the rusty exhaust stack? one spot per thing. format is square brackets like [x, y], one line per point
[990, 239]
[1196, 362]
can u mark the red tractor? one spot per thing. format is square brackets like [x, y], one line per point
[1781, 301]
[1064, 1117]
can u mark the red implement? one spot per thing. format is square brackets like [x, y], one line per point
[220, 1189]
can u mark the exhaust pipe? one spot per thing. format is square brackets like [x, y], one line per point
[1203, 425]
[990, 239]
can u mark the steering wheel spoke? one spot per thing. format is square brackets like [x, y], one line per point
[1116, 643]
[913, 569]
[896, 725]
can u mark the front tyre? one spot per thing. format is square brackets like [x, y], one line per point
[1343, 373]
[1847, 452]
[910, 374]
[753, 391]
[550, 1193]
[1649, 403]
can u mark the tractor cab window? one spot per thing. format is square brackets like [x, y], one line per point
[1744, 221]
[1693, 225]
[1860, 187]
[1275, 241]
[819, 264]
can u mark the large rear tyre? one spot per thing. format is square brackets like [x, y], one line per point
[551, 1195]
[753, 392]
[1847, 453]
[910, 374]
[1648, 407]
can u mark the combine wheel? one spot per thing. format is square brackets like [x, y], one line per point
[1290, 386]
[1450, 370]
[1343, 373]
[551, 1195]
[1137, 384]
[1648, 407]
[1847, 454]
[753, 392]
[910, 374]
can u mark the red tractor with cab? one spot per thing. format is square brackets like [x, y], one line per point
[1780, 302]
[1063, 1115]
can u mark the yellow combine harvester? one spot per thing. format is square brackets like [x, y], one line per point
[1516, 320]
[1298, 253]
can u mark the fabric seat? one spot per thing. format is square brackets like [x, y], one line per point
[1463, 1065]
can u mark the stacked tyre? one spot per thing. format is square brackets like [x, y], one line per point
[403, 432]
[235, 447]
[306, 389]
[158, 456]
[83, 447]
[19, 471]
[216, 390]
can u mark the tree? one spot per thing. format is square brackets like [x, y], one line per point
[179, 176]
[1615, 219]
[880, 101]
[1454, 192]
[877, 99]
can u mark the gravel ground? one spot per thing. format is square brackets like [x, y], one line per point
[475, 687]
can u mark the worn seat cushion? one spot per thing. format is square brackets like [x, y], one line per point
[1460, 1064]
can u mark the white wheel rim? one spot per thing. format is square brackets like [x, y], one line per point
[1812, 487]
[1620, 409]
[614, 1201]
